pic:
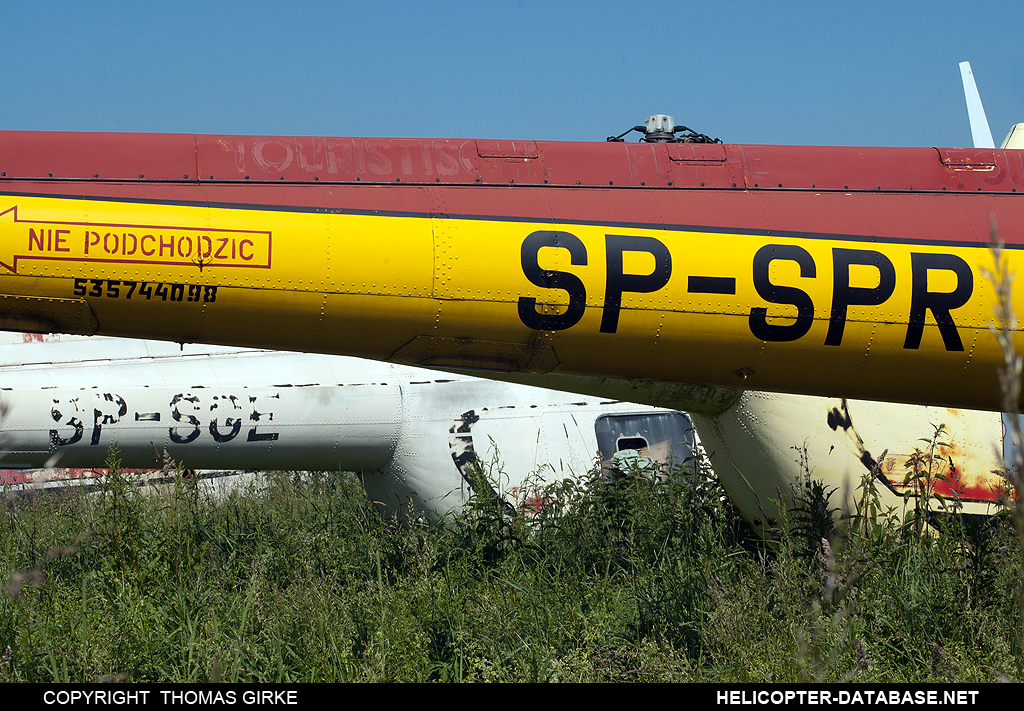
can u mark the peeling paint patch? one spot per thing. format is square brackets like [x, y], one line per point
[460, 442]
[839, 417]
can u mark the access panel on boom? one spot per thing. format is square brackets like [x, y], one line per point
[634, 267]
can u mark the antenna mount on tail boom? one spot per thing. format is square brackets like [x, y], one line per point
[661, 128]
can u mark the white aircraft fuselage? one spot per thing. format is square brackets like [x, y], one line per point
[415, 433]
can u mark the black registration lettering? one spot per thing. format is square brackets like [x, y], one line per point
[255, 417]
[844, 295]
[104, 417]
[940, 303]
[234, 424]
[550, 279]
[176, 436]
[79, 427]
[775, 294]
[618, 282]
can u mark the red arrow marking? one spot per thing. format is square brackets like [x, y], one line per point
[109, 242]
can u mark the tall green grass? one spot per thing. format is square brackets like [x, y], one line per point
[634, 579]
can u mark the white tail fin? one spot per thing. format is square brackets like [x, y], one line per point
[1015, 138]
[980, 131]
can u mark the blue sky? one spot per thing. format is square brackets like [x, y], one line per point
[866, 73]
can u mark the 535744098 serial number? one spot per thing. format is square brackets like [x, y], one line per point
[113, 289]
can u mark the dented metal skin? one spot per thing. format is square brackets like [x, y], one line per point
[414, 432]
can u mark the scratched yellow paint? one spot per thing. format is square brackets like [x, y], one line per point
[421, 289]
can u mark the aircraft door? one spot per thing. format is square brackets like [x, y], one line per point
[662, 438]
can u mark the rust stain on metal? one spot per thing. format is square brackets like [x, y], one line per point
[955, 474]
